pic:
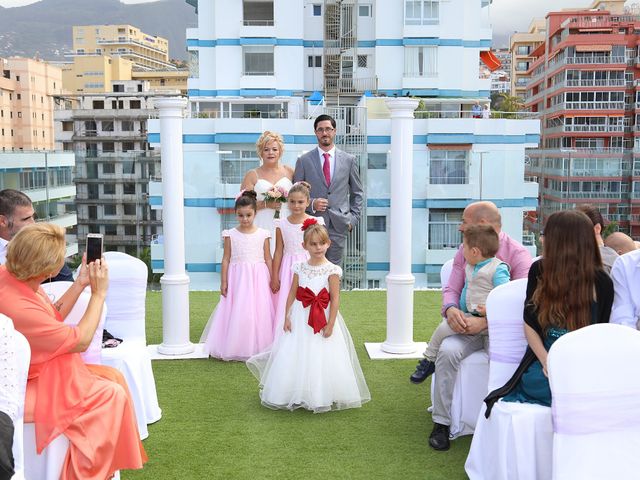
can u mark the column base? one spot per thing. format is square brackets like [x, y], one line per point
[377, 351]
[180, 349]
[197, 351]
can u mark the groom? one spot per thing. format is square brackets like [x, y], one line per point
[336, 191]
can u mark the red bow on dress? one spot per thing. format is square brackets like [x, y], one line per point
[317, 318]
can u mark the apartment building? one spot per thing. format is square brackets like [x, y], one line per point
[114, 164]
[27, 91]
[94, 73]
[521, 44]
[276, 65]
[583, 83]
[145, 51]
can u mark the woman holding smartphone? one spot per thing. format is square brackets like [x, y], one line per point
[64, 395]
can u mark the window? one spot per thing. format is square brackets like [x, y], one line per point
[376, 223]
[448, 167]
[257, 13]
[108, 147]
[93, 212]
[443, 229]
[129, 188]
[523, 50]
[127, 125]
[258, 60]
[18, 96]
[109, 210]
[98, 104]
[130, 230]
[373, 283]
[128, 167]
[314, 61]
[364, 10]
[317, 10]
[92, 191]
[134, 104]
[422, 12]
[234, 165]
[19, 114]
[128, 146]
[17, 78]
[109, 168]
[107, 125]
[420, 61]
[362, 61]
[377, 161]
[110, 229]
[129, 208]
[109, 189]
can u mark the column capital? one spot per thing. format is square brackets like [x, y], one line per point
[402, 106]
[170, 105]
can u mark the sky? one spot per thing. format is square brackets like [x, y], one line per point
[507, 16]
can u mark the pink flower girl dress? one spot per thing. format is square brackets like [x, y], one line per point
[242, 323]
[292, 237]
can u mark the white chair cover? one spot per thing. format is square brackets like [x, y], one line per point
[126, 319]
[594, 374]
[47, 465]
[471, 382]
[55, 290]
[23, 357]
[505, 305]
[515, 441]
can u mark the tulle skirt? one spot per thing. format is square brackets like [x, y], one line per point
[242, 323]
[286, 279]
[306, 370]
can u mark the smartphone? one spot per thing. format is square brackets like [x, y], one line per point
[94, 247]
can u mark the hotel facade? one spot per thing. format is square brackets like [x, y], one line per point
[584, 84]
[276, 65]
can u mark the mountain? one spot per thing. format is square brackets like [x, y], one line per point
[44, 28]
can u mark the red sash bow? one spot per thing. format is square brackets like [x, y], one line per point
[317, 318]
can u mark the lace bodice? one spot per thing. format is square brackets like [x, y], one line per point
[247, 247]
[315, 277]
[292, 235]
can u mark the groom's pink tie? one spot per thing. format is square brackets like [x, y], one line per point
[326, 168]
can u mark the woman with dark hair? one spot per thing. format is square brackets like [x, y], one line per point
[567, 290]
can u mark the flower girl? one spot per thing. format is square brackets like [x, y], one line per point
[242, 323]
[313, 364]
[289, 249]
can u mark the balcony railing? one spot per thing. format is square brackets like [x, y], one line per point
[586, 106]
[258, 23]
[468, 114]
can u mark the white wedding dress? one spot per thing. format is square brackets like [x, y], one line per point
[265, 216]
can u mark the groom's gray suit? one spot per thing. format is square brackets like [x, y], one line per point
[344, 195]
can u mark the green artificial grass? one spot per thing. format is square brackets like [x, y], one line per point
[213, 426]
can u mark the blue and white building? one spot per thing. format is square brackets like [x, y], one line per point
[276, 64]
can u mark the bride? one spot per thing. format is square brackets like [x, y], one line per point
[271, 173]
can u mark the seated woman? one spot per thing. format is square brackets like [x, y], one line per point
[567, 289]
[88, 404]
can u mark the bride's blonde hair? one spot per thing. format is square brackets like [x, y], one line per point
[267, 137]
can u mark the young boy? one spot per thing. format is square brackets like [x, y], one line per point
[483, 272]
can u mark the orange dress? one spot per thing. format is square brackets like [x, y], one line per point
[89, 404]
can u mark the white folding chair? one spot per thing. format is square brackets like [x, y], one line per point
[515, 441]
[471, 382]
[594, 374]
[55, 290]
[126, 312]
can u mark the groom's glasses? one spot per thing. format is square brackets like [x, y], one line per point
[325, 130]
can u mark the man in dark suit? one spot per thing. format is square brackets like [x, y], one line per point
[336, 190]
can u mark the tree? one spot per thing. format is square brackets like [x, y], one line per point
[511, 104]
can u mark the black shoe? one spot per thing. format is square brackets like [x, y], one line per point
[439, 438]
[423, 370]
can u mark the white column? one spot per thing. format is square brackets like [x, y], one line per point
[400, 281]
[175, 282]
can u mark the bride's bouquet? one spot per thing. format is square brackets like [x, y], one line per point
[276, 194]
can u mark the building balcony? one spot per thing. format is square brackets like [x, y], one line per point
[585, 129]
[585, 106]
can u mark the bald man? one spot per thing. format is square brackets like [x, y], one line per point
[620, 242]
[471, 331]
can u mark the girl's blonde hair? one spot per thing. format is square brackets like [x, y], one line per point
[36, 250]
[267, 137]
[318, 231]
[301, 187]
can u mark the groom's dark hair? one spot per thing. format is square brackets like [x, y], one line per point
[322, 118]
